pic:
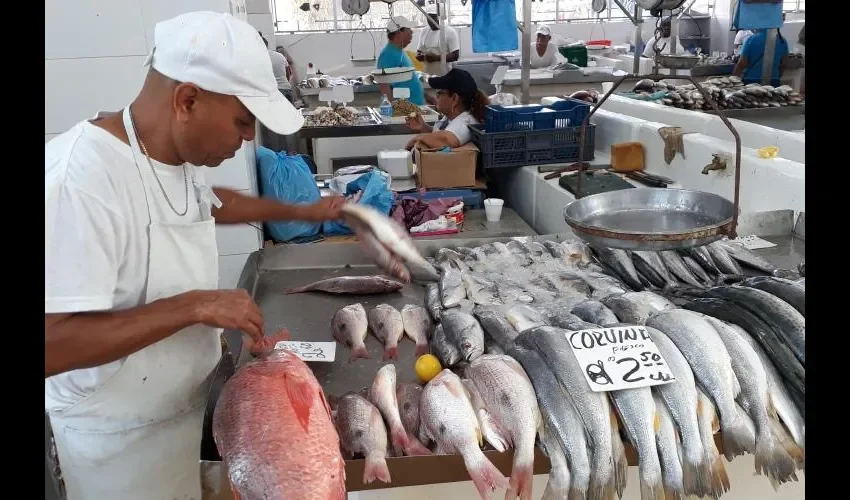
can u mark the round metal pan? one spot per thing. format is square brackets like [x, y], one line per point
[650, 218]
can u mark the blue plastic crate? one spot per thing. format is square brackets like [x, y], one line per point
[532, 147]
[571, 112]
[503, 119]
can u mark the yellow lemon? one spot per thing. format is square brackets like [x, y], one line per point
[427, 367]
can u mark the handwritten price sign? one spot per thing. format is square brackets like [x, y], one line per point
[310, 351]
[621, 357]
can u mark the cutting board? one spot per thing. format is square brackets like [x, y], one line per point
[593, 183]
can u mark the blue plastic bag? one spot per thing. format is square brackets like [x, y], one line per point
[376, 193]
[494, 26]
[287, 178]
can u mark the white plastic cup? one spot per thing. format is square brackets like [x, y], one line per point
[493, 209]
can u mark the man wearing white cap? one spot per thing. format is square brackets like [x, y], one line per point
[544, 53]
[133, 314]
[429, 50]
[399, 36]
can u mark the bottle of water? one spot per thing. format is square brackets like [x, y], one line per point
[386, 107]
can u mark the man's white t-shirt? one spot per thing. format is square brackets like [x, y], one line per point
[279, 65]
[549, 57]
[741, 37]
[429, 41]
[96, 244]
[459, 126]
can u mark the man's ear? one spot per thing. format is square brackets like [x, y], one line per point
[185, 99]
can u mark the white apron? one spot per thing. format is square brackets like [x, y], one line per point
[138, 437]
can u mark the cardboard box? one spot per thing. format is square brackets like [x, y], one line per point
[446, 169]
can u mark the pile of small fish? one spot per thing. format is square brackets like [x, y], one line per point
[332, 117]
[729, 92]
[737, 352]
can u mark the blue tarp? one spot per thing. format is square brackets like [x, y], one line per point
[494, 26]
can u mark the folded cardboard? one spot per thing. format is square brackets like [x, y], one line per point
[446, 169]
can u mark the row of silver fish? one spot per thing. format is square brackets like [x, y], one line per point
[737, 352]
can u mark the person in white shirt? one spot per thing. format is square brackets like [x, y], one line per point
[740, 37]
[662, 33]
[280, 67]
[460, 102]
[544, 53]
[428, 50]
[133, 313]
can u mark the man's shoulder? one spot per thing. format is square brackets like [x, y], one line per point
[86, 158]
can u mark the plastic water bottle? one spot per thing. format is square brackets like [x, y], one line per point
[386, 107]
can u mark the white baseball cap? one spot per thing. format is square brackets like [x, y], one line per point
[225, 55]
[544, 30]
[399, 22]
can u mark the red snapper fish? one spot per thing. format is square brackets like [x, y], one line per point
[274, 430]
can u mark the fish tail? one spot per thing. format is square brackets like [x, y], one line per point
[415, 447]
[601, 488]
[621, 462]
[522, 475]
[483, 473]
[268, 344]
[773, 461]
[671, 493]
[651, 489]
[359, 352]
[556, 491]
[297, 289]
[376, 468]
[576, 493]
[738, 439]
[391, 352]
[719, 479]
[399, 438]
[236, 495]
[696, 477]
[422, 348]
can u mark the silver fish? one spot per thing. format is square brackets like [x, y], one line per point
[667, 442]
[708, 425]
[771, 459]
[444, 349]
[382, 395]
[701, 345]
[350, 327]
[386, 323]
[464, 331]
[510, 398]
[703, 257]
[495, 326]
[522, 317]
[449, 419]
[556, 249]
[723, 260]
[452, 290]
[636, 307]
[362, 431]
[650, 265]
[748, 258]
[682, 400]
[558, 485]
[520, 253]
[696, 269]
[560, 418]
[408, 396]
[593, 407]
[595, 312]
[432, 301]
[351, 285]
[578, 253]
[391, 236]
[480, 290]
[785, 289]
[509, 291]
[490, 430]
[417, 325]
[621, 264]
[637, 412]
[678, 268]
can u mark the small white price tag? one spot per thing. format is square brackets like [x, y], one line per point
[620, 357]
[310, 351]
[753, 242]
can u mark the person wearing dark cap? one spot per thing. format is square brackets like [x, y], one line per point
[460, 102]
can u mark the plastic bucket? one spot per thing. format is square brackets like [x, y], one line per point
[493, 209]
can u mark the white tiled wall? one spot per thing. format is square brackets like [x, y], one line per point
[93, 61]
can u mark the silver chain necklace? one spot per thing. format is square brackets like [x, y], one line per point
[148, 158]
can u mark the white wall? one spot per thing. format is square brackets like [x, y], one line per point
[93, 61]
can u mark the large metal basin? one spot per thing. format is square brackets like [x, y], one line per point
[650, 218]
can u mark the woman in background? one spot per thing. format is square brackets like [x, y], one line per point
[460, 102]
